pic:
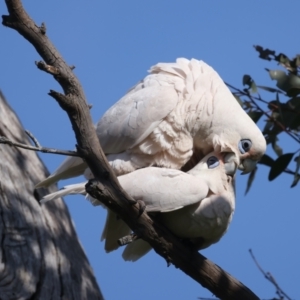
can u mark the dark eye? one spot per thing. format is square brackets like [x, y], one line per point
[212, 162]
[245, 145]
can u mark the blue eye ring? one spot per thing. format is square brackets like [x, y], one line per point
[245, 145]
[212, 162]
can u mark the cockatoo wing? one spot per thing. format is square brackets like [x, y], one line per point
[207, 220]
[134, 117]
[123, 126]
[197, 205]
[163, 189]
[178, 109]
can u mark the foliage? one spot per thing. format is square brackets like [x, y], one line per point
[281, 113]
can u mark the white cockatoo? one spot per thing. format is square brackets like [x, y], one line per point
[172, 118]
[197, 205]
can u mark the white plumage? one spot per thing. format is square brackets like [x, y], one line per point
[172, 118]
[197, 205]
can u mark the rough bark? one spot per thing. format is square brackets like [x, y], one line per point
[40, 254]
[106, 188]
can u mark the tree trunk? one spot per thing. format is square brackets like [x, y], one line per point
[40, 254]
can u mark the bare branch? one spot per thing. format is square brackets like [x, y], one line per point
[5, 140]
[106, 187]
[33, 138]
[270, 278]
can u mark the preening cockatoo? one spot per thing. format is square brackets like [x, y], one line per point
[172, 118]
[197, 205]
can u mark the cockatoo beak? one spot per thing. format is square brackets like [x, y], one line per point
[247, 166]
[230, 164]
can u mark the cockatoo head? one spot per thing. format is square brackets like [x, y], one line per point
[217, 169]
[248, 146]
[230, 126]
[250, 153]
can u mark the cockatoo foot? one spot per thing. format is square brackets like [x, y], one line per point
[125, 240]
[132, 202]
[142, 207]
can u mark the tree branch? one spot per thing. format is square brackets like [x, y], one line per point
[5, 140]
[106, 187]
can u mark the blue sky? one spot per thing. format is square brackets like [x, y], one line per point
[113, 44]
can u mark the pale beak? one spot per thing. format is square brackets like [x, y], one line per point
[230, 164]
[247, 165]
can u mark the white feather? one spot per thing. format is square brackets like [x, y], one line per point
[178, 110]
[197, 205]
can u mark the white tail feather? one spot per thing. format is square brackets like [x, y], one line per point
[115, 228]
[136, 250]
[72, 189]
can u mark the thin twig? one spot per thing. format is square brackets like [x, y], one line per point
[296, 138]
[33, 138]
[242, 93]
[250, 97]
[270, 278]
[5, 140]
[272, 119]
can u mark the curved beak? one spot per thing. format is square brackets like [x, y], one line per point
[247, 165]
[230, 164]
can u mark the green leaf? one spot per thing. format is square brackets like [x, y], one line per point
[255, 115]
[264, 53]
[295, 123]
[289, 83]
[250, 180]
[253, 87]
[295, 181]
[284, 60]
[297, 160]
[277, 149]
[293, 91]
[280, 165]
[294, 103]
[268, 127]
[247, 80]
[275, 115]
[296, 176]
[293, 108]
[279, 106]
[266, 160]
[297, 60]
